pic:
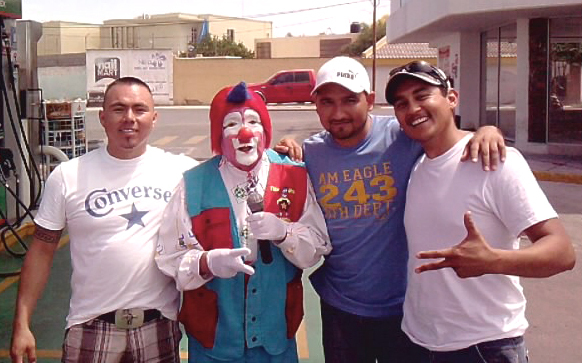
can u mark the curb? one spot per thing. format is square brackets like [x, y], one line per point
[558, 177]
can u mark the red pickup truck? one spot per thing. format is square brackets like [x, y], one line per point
[293, 85]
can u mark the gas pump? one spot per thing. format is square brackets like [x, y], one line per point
[20, 115]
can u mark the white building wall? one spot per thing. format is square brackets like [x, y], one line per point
[459, 57]
[63, 83]
[522, 79]
[458, 23]
[245, 31]
[411, 15]
[382, 74]
[449, 47]
[153, 66]
[469, 79]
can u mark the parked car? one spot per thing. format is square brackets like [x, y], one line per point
[293, 85]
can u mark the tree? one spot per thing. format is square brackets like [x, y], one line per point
[365, 39]
[215, 46]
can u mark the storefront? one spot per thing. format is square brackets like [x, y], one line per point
[519, 67]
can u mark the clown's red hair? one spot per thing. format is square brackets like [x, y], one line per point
[223, 102]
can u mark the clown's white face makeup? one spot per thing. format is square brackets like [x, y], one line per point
[243, 140]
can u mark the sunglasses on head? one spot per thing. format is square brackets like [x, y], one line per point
[425, 68]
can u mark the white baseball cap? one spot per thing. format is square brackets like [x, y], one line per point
[346, 72]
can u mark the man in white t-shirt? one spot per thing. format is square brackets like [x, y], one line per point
[465, 304]
[111, 201]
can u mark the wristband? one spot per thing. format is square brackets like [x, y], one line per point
[209, 274]
[283, 239]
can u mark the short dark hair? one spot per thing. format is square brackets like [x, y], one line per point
[126, 81]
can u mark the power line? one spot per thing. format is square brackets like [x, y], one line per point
[302, 10]
[301, 23]
[165, 22]
[210, 21]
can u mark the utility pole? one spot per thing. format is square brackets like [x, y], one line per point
[374, 48]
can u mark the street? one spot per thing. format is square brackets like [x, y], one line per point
[553, 307]
[553, 303]
[187, 129]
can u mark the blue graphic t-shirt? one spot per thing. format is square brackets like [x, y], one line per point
[362, 193]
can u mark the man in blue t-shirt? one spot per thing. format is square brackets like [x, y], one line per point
[359, 167]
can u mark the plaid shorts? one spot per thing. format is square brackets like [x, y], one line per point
[101, 342]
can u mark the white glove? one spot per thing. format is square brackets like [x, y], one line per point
[226, 262]
[267, 226]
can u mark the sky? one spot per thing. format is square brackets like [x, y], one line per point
[298, 17]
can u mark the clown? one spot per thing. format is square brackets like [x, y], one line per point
[240, 126]
[242, 303]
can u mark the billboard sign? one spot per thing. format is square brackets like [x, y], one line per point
[107, 68]
[153, 66]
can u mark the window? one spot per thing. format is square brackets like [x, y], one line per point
[500, 73]
[302, 77]
[263, 50]
[565, 81]
[131, 37]
[283, 78]
[116, 37]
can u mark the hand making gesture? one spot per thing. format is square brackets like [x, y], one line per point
[472, 257]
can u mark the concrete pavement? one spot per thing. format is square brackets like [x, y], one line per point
[553, 304]
[553, 307]
[565, 169]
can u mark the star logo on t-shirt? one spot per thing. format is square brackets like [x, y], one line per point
[134, 217]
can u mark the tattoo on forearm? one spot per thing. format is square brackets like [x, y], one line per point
[47, 235]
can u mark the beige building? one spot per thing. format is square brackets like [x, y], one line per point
[164, 31]
[176, 31]
[60, 37]
[322, 46]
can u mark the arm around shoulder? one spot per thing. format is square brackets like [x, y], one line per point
[291, 148]
[487, 142]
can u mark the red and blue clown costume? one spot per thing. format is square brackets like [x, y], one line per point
[231, 319]
[225, 316]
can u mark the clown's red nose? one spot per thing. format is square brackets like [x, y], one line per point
[245, 135]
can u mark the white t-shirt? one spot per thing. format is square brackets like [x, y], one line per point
[112, 209]
[443, 312]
